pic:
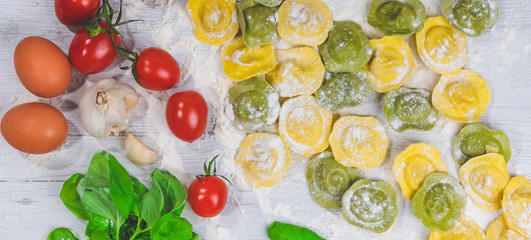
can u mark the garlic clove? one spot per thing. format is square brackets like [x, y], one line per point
[130, 102]
[138, 152]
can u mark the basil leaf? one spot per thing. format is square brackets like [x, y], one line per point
[139, 190]
[99, 235]
[195, 236]
[178, 211]
[284, 231]
[166, 195]
[151, 205]
[171, 226]
[61, 234]
[173, 191]
[121, 187]
[94, 188]
[71, 198]
[97, 223]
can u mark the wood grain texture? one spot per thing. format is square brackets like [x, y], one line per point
[30, 205]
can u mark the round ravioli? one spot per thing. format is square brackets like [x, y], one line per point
[347, 48]
[471, 16]
[390, 65]
[263, 159]
[439, 202]
[305, 22]
[305, 125]
[215, 21]
[359, 141]
[467, 229]
[441, 47]
[484, 179]
[498, 230]
[258, 23]
[397, 17]
[462, 96]
[328, 180]
[299, 71]
[343, 90]
[255, 104]
[476, 140]
[516, 205]
[241, 62]
[414, 164]
[407, 108]
[370, 205]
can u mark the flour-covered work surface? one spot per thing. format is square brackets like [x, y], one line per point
[364, 119]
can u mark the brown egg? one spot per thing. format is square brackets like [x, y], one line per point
[34, 128]
[42, 67]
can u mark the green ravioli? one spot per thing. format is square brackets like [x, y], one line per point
[397, 17]
[476, 140]
[343, 90]
[471, 16]
[257, 23]
[407, 108]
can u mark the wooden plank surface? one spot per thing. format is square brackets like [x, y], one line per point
[29, 186]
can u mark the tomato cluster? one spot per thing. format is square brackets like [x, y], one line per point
[96, 45]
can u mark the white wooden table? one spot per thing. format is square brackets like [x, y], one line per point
[29, 185]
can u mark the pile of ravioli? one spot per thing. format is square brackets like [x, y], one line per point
[334, 66]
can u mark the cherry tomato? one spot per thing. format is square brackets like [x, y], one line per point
[74, 12]
[186, 114]
[157, 70]
[208, 193]
[91, 55]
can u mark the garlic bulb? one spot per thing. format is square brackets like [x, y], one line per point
[138, 152]
[105, 107]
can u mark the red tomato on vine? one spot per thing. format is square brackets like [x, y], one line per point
[74, 12]
[207, 193]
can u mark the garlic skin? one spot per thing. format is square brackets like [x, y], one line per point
[105, 107]
[138, 152]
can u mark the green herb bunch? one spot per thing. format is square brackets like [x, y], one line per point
[118, 206]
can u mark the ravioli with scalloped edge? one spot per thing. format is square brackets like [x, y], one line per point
[263, 159]
[498, 230]
[299, 71]
[328, 180]
[391, 63]
[407, 108]
[359, 141]
[397, 17]
[476, 140]
[304, 125]
[467, 229]
[461, 96]
[215, 21]
[241, 62]
[439, 202]
[484, 179]
[343, 90]
[471, 16]
[305, 22]
[516, 205]
[414, 164]
[258, 23]
[346, 49]
[370, 205]
[255, 104]
[441, 47]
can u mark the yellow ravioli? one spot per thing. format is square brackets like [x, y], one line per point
[304, 125]
[467, 229]
[461, 96]
[498, 230]
[299, 71]
[241, 62]
[517, 205]
[414, 164]
[305, 22]
[441, 47]
[484, 179]
[263, 159]
[215, 21]
[390, 65]
[359, 141]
